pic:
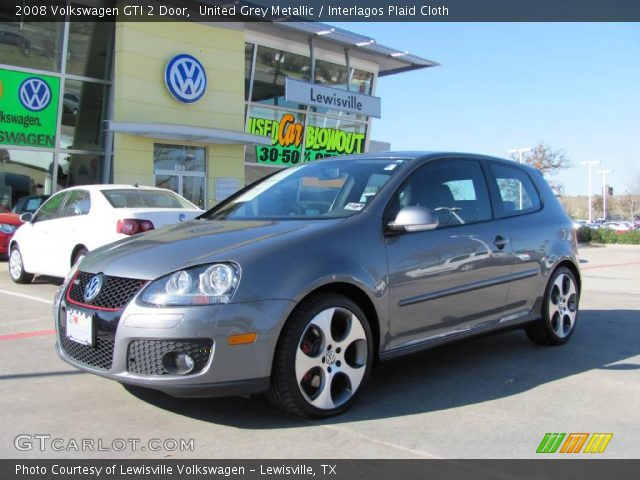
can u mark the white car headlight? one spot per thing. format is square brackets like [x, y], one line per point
[7, 228]
[204, 285]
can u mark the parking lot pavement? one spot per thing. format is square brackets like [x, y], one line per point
[494, 397]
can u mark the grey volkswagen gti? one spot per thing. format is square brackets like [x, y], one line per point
[295, 285]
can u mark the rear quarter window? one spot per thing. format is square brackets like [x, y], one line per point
[516, 193]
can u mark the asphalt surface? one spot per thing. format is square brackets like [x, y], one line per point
[494, 397]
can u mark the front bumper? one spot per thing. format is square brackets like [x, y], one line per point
[225, 369]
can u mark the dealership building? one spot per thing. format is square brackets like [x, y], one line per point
[199, 108]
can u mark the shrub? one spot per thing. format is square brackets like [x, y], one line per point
[606, 235]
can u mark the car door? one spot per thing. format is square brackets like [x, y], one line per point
[452, 278]
[69, 230]
[37, 249]
[517, 203]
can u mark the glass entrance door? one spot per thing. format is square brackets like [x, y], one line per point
[182, 169]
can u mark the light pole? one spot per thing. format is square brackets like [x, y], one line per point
[520, 152]
[604, 191]
[590, 164]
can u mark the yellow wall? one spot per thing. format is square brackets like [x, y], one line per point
[140, 94]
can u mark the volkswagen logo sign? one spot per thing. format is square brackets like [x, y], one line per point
[34, 94]
[181, 217]
[92, 289]
[185, 78]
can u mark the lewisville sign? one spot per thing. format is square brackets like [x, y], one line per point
[28, 109]
[333, 98]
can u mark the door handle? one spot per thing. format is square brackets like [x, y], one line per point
[500, 242]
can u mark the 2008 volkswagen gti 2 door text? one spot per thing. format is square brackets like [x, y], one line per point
[294, 285]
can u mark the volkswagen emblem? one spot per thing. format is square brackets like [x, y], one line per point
[181, 217]
[92, 289]
[185, 78]
[34, 94]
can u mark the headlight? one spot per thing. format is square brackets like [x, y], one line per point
[7, 228]
[205, 285]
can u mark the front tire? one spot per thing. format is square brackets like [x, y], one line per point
[559, 310]
[323, 358]
[16, 267]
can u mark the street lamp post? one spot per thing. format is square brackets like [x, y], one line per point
[604, 191]
[520, 152]
[590, 164]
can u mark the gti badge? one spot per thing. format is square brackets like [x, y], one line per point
[34, 94]
[185, 78]
[92, 289]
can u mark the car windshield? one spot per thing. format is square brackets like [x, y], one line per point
[328, 189]
[139, 198]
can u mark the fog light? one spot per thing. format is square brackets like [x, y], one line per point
[178, 363]
[184, 362]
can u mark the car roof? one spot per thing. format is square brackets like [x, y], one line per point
[109, 186]
[420, 156]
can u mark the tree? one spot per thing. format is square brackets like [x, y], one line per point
[548, 161]
[597, 204]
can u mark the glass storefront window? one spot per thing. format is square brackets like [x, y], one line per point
[80, 169]
[181, 168]
[178, 158]
[331, 74]
[248, 61]
[286, 132]
[90, 47]
[361, 81]
[272, 67]
[30, 44]
[329, 137]
[23, 173]
[83, 110]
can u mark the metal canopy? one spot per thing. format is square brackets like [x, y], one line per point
[187, 133]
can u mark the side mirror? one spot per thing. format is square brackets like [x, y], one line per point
[26, 217]
[414, 219]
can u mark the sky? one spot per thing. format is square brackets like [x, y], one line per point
[573, 86]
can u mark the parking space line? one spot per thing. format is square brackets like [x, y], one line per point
[611, 265]
[36, 333]
[29, 297]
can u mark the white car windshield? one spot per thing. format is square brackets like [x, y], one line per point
[328, 189]
[139, 198]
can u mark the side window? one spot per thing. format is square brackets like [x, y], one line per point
[51, 208]
[78, 203]
[517, 193]
[455, 189]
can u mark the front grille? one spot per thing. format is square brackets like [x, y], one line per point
[145, 356]
[98, 356]
[116, 292]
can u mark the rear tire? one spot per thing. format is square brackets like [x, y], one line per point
[16, 267]
[559, 310]
[323, 357]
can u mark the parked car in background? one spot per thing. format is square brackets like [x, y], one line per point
[580, 223]
[77, 220]
[618, 226]
[281, 290]
[29, 204]
[9, 223]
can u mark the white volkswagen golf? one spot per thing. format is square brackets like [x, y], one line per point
[77, 220]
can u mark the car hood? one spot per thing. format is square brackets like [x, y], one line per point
[153, 254]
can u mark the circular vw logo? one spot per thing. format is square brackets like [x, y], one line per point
[185, 78]
[330, 358]
[34, 94]
[92, 289]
